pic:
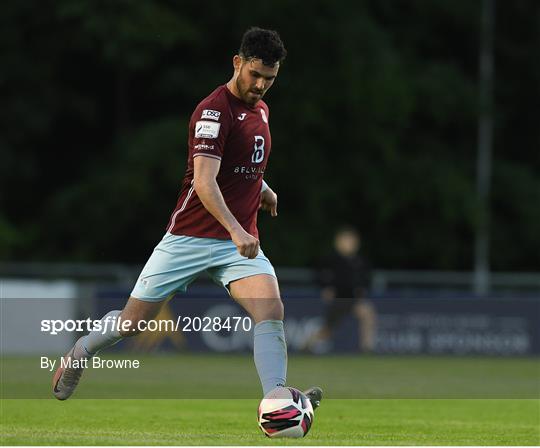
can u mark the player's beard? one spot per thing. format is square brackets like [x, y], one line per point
[245, 92]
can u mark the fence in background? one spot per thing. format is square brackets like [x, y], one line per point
[382, 281]
[418, 311]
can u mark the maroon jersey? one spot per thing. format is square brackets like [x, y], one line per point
[225, 128]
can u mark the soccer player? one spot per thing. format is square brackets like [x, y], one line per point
[214, 225]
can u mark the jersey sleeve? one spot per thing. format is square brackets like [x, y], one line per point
[209, 128]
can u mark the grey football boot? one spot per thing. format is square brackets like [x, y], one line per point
[66, 378]
[314, 395]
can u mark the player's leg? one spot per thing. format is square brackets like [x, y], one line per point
[320, 341]
[259, 296]
[253, 284]
[122, 324]
[175, 262]
[110, 331]
[367, 328]
[128, 323]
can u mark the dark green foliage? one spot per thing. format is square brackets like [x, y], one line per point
[374, 122]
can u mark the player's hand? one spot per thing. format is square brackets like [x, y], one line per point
[246, 244]
[269, 202]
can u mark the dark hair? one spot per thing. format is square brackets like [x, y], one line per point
[262, 44]
[347, 228]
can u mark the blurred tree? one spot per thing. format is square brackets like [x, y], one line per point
[373, 122]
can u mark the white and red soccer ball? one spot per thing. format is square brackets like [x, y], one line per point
[285, 412]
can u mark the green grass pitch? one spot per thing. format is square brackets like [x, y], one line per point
[370, 401]
[232, 422]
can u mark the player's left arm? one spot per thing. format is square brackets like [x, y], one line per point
[268, 200]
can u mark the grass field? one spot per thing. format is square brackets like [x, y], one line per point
[369, 401]
[232, 422]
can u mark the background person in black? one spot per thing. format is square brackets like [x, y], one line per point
[345, 281]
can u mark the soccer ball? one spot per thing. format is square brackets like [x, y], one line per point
[285, 412]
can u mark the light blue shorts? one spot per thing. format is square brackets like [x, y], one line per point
[179, 260]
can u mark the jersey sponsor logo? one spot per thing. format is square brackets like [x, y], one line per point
[258, 149]
[203, 147]
[263, 115]
[210, 114]
[250, 172]
[206, 129]
[242, 116]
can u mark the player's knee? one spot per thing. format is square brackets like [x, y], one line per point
[136, 315]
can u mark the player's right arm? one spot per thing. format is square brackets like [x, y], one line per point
[205, 171]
